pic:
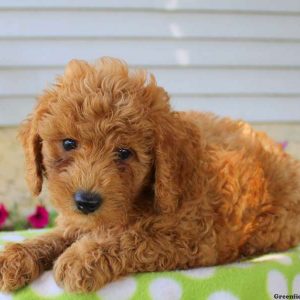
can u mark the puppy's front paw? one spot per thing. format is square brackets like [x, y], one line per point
[17, 267]
[77, 273]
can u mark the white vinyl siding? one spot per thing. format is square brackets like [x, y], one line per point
[232, 57]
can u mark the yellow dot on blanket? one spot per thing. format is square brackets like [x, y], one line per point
[45, 285]
[222, 295]
[199, 273]
[276, 283]
[296, 284]
[165, 289]
[122, 289]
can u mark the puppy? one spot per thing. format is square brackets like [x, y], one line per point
[141, 188]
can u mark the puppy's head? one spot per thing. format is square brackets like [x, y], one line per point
[107, 143]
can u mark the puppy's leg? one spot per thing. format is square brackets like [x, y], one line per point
[20, 263]
[90, 262]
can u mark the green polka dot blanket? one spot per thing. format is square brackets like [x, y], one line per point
[272, 276]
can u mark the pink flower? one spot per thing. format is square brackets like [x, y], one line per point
[3, 214]
[40, 218]
[284, 145]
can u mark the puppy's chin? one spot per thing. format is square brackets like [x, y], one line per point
[98, 220]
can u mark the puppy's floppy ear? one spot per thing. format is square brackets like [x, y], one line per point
[32, 146]
[175, 161]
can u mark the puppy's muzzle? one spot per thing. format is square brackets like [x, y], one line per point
[87, 202]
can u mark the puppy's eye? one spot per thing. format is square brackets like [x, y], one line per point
[124, 153]
[69, 144]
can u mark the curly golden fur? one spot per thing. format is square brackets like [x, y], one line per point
[198, 190]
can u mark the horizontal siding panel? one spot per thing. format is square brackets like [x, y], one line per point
[22, 53]
[176, 81]
[254, 109]
[14, 110]
[154, 24]
[253, 5]
[229, 81]
[232, 57]
[257, 109]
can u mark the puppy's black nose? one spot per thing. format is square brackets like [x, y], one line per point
[87, 202]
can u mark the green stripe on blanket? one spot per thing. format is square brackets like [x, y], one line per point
[259, 278]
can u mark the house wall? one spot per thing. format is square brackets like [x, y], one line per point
[236, 58]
